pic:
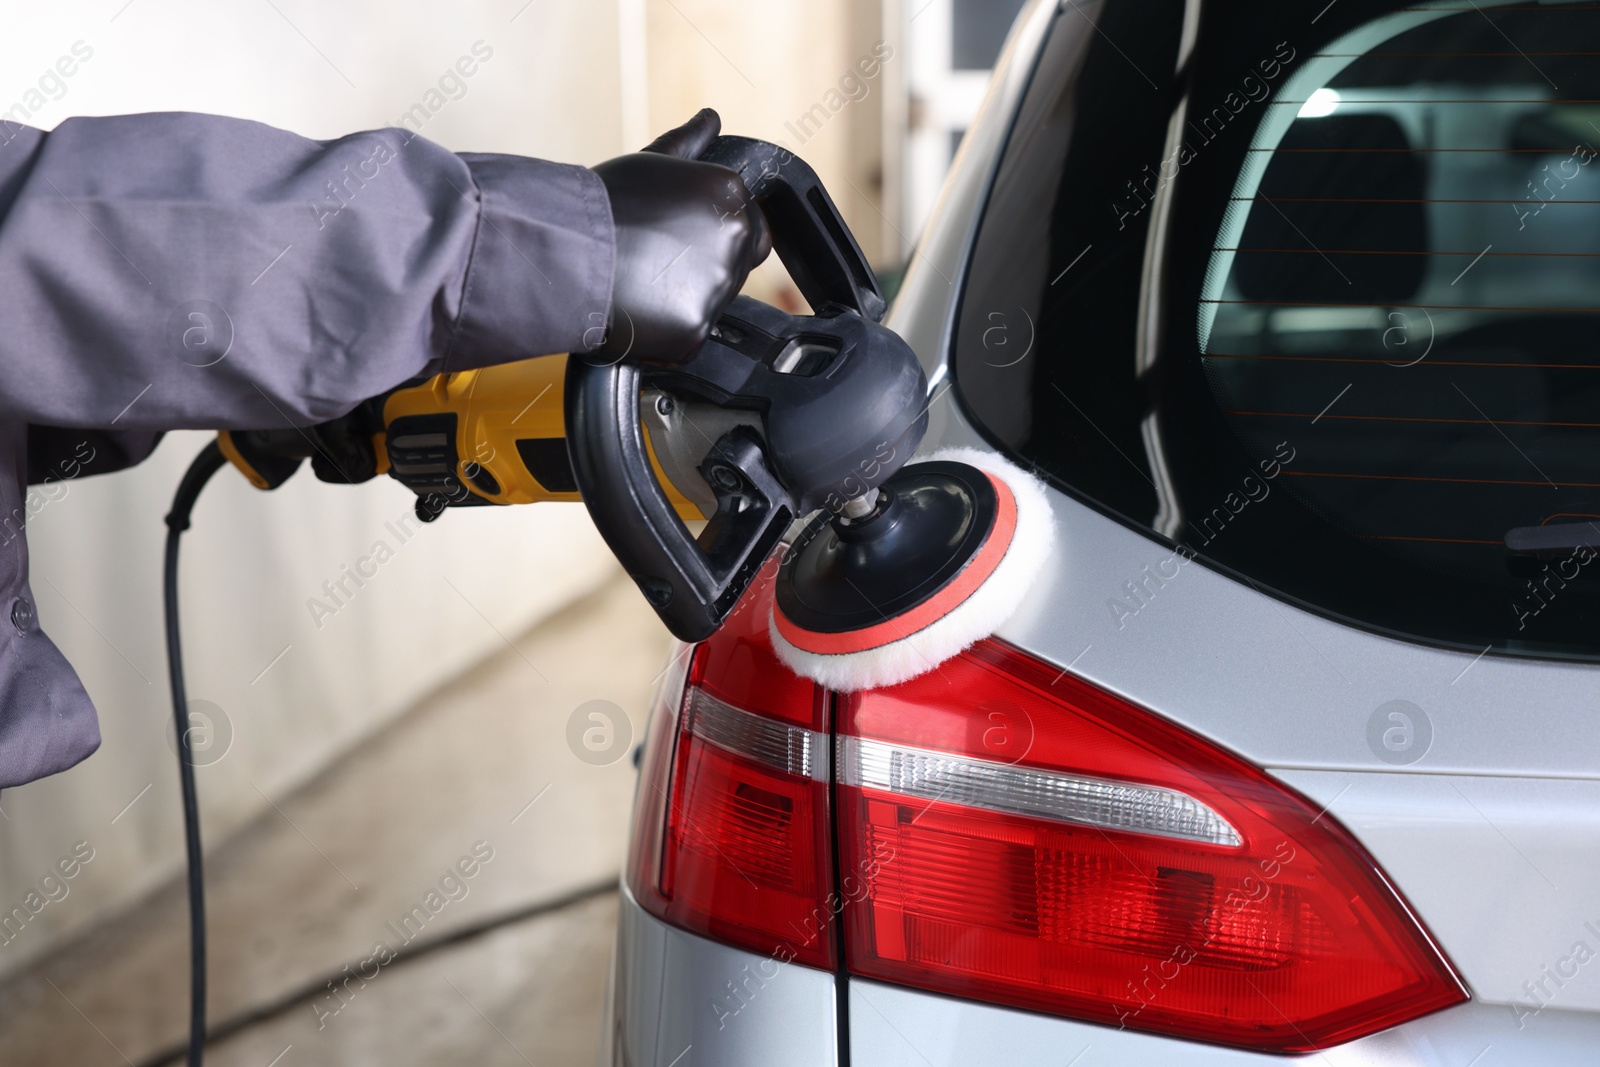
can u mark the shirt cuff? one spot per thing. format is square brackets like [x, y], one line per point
[539, 278]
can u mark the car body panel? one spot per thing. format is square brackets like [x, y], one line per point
[684, 1000]
[1279, 685]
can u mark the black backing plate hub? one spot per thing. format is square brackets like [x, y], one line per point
[841, 576]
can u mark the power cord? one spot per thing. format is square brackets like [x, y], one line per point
[208, 462]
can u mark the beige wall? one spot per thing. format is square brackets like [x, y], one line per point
[764, 67]
[571, 80]
[551, 88]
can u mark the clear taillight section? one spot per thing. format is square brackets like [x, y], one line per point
[1010, 834]
[1026, 839]
[732, 827]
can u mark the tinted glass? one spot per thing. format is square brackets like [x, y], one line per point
[1360, 375]
[977, 30]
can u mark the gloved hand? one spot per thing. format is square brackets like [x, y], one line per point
[688, 234]
[341, 450]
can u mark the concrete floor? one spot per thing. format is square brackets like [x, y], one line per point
[483, 767]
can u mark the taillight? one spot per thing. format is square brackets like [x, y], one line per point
[732, 822]
[1017, 836]
[1008, 833]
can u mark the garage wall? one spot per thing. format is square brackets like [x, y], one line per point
[790, 73]
[570, 80]
[450, 594]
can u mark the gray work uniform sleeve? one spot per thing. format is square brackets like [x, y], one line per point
[186, 271]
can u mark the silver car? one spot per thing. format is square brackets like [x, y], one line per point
[1294, 748]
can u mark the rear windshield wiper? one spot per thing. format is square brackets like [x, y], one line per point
[1554, 540]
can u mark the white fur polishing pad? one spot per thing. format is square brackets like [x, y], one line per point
[979, 616]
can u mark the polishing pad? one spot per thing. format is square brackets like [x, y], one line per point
[949, 553]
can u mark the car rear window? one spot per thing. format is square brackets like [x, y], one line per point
[1318, 302]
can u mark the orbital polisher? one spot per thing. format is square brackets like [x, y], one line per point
[776, 418]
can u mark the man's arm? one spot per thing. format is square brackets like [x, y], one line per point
[180, 270]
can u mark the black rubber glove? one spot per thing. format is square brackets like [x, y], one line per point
[341, 450]
[688, 235]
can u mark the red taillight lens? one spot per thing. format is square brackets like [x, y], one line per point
[1011, 834]
[1018, 836]
[732, 824]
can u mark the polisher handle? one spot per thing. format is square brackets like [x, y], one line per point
[808, 234]
[692, 584]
